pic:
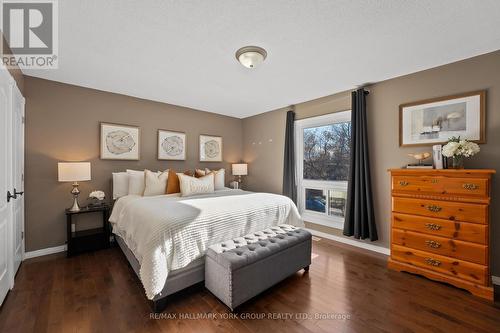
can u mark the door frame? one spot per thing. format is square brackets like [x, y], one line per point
[8, 82]
[21, 100]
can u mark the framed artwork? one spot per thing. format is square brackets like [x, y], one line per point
[171, 145]
[210, 148]
[119, 142]
[433, 121]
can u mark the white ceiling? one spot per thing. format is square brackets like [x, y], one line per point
[182, 52]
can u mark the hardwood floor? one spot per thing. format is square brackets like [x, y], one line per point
[99, 292]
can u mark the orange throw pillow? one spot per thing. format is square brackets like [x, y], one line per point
[173, 185]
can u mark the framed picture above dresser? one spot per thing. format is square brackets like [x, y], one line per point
[440, 226]
[433, 121]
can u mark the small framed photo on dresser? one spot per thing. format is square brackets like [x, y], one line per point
[210, 148]
[120, 142]
[171, 145]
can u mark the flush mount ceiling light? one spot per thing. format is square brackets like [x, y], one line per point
[251, 56]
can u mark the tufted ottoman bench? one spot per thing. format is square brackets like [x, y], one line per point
[239, 269]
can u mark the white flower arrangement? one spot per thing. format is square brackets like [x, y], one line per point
[457, 147]
[99, 195]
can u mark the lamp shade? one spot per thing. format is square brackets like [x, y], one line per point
[240, 169]
[73, 171]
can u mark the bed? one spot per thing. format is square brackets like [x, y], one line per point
[165, 237]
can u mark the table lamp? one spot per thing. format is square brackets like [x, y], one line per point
[74, 172]
[240, 169]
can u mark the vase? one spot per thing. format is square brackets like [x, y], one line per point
[457, 162]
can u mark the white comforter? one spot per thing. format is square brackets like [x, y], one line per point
[168, 232]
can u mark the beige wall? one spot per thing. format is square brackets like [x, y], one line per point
[62, 124]
[263, 143]
[483, 72]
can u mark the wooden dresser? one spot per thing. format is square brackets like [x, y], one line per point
[440, 223]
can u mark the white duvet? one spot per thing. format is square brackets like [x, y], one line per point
[168, 232]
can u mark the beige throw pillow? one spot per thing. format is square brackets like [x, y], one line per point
[219, 178]
[155, 182]
[191, 185]
[136, 182]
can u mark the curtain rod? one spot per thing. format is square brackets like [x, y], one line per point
[365, 87]
[367, 92]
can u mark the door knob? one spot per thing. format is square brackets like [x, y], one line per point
[11, 196]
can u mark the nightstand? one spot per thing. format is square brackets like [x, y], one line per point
[90, 239]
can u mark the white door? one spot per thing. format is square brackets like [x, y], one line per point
[18, 177]
[5, 184]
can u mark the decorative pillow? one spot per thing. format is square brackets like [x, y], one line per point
[120, 184]
[156, 182]
[173, 185]
[192, 185]
[136, 183]
[219, 178]
[200, 173]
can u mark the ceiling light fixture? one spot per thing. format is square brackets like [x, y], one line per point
[251, 56]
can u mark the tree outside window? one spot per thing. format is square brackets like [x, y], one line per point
[327, 152]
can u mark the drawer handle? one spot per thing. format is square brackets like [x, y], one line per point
[403, 183]
[433, 244]
[433, 226]
[434, 208]
[434, 181]
[470, 187]
[432, 262]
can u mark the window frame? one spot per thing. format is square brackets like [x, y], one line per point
[302, 184]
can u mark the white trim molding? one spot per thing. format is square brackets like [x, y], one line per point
[44, 252]
[496, 280]
[363, 245]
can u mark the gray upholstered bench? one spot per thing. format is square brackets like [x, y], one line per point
[239, 269]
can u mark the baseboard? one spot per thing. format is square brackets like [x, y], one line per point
[44, 252]
[496, 280]
[363, 245]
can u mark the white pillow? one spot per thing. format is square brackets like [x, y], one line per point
[192, 185]
[136, 183]
[156, 182]
[120, 184]
[219, 178]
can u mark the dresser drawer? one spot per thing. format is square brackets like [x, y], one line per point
[470, 232]
[441, 185]
[453, 267]
[454, 211]
[444, 246]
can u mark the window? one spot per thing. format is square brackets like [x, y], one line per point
[323, 157]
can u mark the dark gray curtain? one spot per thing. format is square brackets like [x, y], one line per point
[359, 217]
[289, 185]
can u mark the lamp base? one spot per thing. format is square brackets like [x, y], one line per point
[239, 181]
[75, 191]
[75, 207]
